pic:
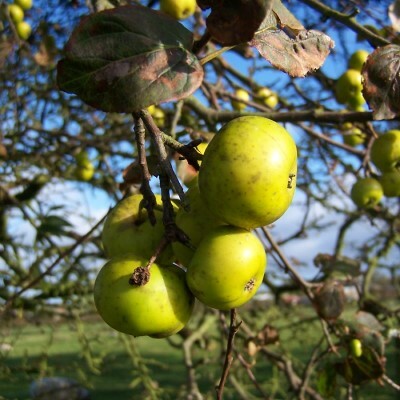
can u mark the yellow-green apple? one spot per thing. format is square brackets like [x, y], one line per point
[242, 98]
[267, 97]
[353, 136]
[366, 192]
[348, 88]
[385, 151]
[248, 174]
[390, 181]
[356, 348]
[24, 30]
[357, 59]
[178, 9]
[16, 13]
[24, 4]
[84, 171]
[227, 268]
[196, 223]
[159, 308]
[127, 230]
[158, 115]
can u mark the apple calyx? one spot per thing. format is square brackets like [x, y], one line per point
[140, 276]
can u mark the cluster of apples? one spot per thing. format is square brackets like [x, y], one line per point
[84, 168]
[385, 154]
[348, 87]
[263, 95]
[16, 11]
[246, 180]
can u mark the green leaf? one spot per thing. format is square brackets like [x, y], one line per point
[326, 381]
[128, 58]
[52, 225]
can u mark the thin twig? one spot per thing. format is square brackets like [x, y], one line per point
[233, 328]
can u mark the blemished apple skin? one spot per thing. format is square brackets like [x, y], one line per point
[248, 173]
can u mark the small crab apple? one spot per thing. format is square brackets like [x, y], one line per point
[243, 95]
[366, 192]
[227, 267]
[158, 308]
[385, 151]
[178, 9]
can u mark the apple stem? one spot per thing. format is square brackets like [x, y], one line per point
[145, 189]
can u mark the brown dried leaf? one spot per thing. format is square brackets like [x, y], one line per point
[5, 50]
[47, 52]
[285, 17]
[381, 82]
[329, 300]
[232, 22]
[297, 55]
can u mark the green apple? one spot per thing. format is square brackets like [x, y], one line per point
[24, 4]
[85, 171]
[353, 136]
[390, 181]
[82, 158]
[158, 115]
[385, 151]
[196, 223]
[348, 88]
[357, 59]
[248, 174]
[16, 13]
[127, 230]
[24, 30]
[366, 192]
[227, 268]
[267, 97]
[185, 171]
[178, 9]
[159, 308]
[356, 348]
[243, 98]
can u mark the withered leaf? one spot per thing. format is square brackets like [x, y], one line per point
[285, 17]
[296, 55]
[329, 300]
[381, 82]
[394, 15]
[128, 58]
[233, 22]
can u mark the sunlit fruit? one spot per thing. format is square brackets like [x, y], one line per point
[159, 308]
[366, 192]
[127, 230]
[267, 97]
[348, 88]
[357, 59]
[16, 13]
[24, 4]
[178, 9]
[85, 171]
[353, 136]
[227, 268]
[390, 181]
[243, 97]
[24, 30]
[356, 348]
[196, 223]
[158, 115]
[186, 172]
[385, 151]
[248, 174]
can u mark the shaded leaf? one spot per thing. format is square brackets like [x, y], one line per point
[296, 55]
[381, 86]
[233, 22]
[5, 50]
[394, 15]
[326, 381]
[357, 370]
[128, 58]
[285, 17]
[47, 52]
[329, 300]
[369, 321]
[52, 225]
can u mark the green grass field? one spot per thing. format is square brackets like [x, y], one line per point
[115, 366]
